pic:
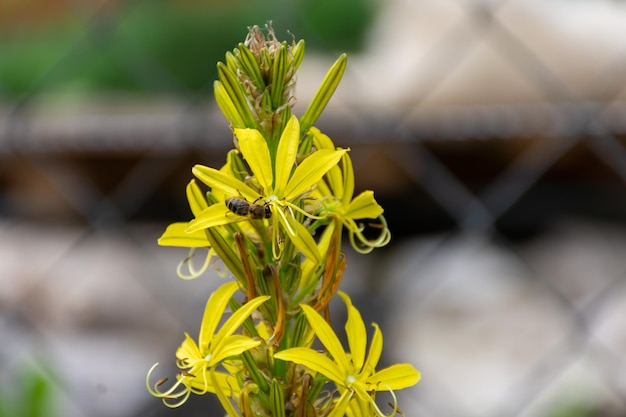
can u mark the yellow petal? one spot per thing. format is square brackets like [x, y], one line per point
[256, 153]
[376, 349]
[364, 206]
[327, 336]
[356, 333]
[231, 325]
[286, 154]
[188, 350]
[215, 215]
[310, 171]
[214, 311]
[227, 383]
[335, 182]
[176, 235]
[321, 140]
[229, 185]
[395, 377]
[334, 175]
[222, 395]
[233, 345]
[195, 198]
[348, 178]
[311, 268]
[314, 361]
[342, 404]
[299, 235]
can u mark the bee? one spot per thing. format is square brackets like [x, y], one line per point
[242, 207]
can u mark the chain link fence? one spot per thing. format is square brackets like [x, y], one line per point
[491, 131]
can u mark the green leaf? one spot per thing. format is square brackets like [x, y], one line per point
[310, 171]
[323, 94]
[35, 401]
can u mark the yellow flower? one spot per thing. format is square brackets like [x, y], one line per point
[353, 373]
[199, 361]
[336, 197]
[281, 180]
[176, 235]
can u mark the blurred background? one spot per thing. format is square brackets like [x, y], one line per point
[493, 134]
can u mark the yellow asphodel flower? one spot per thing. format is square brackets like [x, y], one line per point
[336, 198]
[176, 235]
[353, 373]
[280, 179]
[199, 361]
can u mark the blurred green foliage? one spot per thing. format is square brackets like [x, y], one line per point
[29, 396]
[575, 409]
[164, 47]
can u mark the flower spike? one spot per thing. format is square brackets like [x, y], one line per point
[272, 217]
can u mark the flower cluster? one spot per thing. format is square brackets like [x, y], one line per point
[274, 215]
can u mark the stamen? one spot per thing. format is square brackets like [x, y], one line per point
[395, 410]
[192, 271]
